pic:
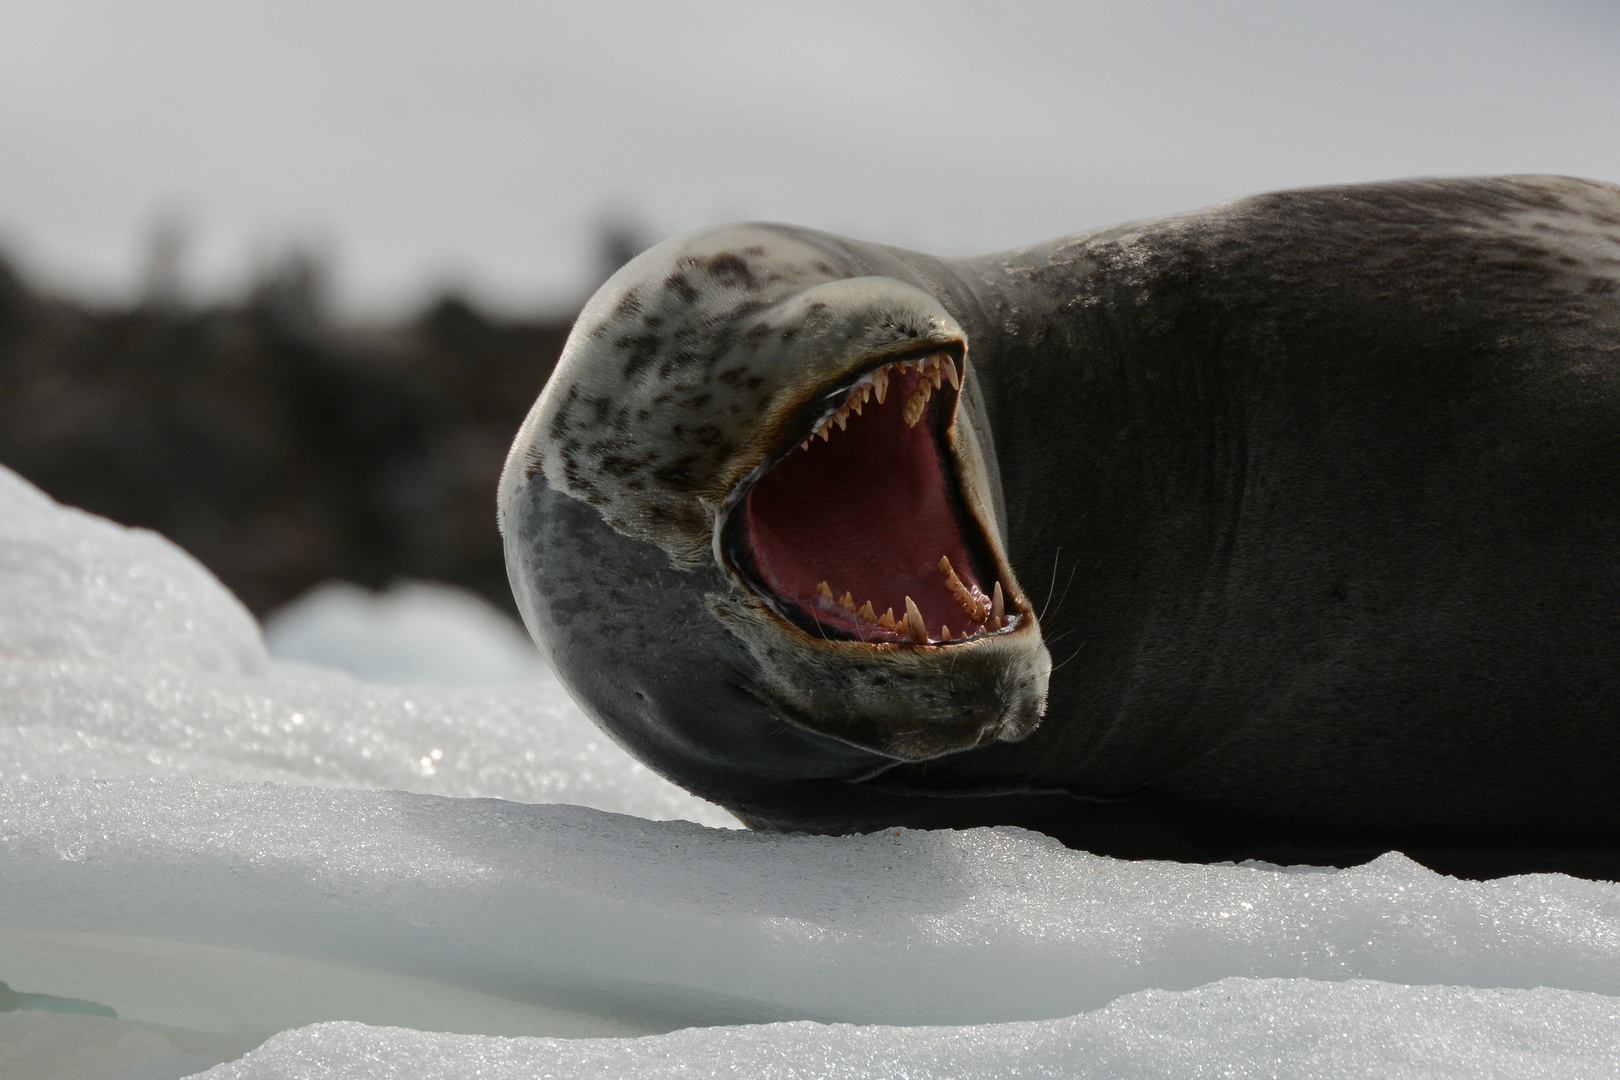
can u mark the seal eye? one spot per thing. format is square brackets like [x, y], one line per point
[856, 533]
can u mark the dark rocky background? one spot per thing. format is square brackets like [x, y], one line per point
[278, 445]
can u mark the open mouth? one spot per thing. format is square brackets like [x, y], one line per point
[859, 532]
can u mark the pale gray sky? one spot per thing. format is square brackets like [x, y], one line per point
[479, 142]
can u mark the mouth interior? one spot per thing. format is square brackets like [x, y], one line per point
[861, 519]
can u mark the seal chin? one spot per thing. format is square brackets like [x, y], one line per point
[859, 547]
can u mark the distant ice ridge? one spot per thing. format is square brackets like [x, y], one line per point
[121, 656]
[414, 632]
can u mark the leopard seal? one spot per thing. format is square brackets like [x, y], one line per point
[1314, 496]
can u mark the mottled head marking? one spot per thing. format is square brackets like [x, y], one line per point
[684, 367]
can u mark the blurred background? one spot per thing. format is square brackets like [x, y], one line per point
[281, 280]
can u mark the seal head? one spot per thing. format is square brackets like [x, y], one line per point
[755, 520]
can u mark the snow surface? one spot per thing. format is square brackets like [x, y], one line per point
[1236, 1027]
[120, 656]
[147, 866]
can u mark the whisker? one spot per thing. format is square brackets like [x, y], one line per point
[1051, 586]
[1071, 656]
[1066, 585]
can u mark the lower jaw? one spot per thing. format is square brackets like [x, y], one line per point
[977, 613]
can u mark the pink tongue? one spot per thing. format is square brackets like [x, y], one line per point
[866, 511]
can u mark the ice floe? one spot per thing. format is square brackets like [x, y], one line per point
[218, 846]
[1278, 1028]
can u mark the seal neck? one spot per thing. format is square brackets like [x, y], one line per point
[1121, 446]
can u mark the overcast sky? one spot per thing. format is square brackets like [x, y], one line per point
[479, 144]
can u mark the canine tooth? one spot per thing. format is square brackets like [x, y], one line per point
[880, 383]
[950, 373]
[913, 623]
[886, 620]
[998, 606]
[847, 603]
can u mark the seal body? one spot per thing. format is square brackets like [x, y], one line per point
[1314, 498]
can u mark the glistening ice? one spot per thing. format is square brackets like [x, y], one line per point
[180, 812]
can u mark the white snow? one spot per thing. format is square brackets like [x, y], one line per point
[120, 656]
[147, 865]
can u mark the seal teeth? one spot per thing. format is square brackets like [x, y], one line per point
[913, 623]
[970, 605]
[917, 403]
[982, 613]
[936, 370]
